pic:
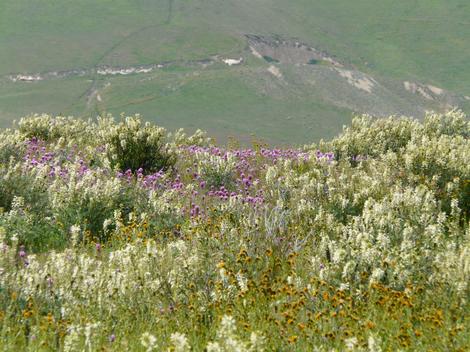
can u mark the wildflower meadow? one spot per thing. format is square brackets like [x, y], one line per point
[117, 235]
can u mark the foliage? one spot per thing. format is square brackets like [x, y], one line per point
[47, 128]
[134, 146]
[217, 171]
[361, 243]
[269, 59]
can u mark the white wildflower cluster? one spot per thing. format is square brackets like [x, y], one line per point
[386, 242]
[217, 170]
[385, 206]
[46, 127]
[228, 341]
[180, 342]
[78, 336]
[383, 209]
[373, 343]
[73, 277]
[180, 139]
[149, 342]
[454, 265]
[165, 202]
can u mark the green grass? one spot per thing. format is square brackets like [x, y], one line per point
[422, 39]
[219, 101]
[21, 99]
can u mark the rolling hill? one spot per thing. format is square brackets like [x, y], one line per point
[287, 72]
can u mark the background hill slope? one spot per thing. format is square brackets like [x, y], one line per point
[305, 67]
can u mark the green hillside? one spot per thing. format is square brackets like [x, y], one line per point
[61, 46]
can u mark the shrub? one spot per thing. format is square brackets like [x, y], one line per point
[34, 231]
[372, 137]
[217, 171]
[11, 146]
[15, 184]
[270, 59]
[89, 201]
[48, 128]
[133, 145]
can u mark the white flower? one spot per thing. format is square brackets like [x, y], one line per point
[148, 341]
[271, 175]
[72, 338]
[351, 342]
[228, 326]
[88, 334]
[107, 223]
[74, 234]
[214, 347]
[180, 342]
[377, 274]
[373, 344]
[257, 342]
[242, 282]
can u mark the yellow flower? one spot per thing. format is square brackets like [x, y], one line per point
[27, 313]
[49, 317]
[292, 339]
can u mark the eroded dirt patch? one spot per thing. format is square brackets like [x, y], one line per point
[360, 81]
[105, 70]
[288, 51]
[275, 71]
[417, 88]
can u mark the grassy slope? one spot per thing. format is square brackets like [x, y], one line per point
[23, 98]
[426, 39]
[215, 100]
[420, 40]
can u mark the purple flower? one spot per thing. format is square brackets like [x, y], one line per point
[195, 211]
[49, 281]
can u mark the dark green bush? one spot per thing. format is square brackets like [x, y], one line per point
[270, 59]
[134, 145]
